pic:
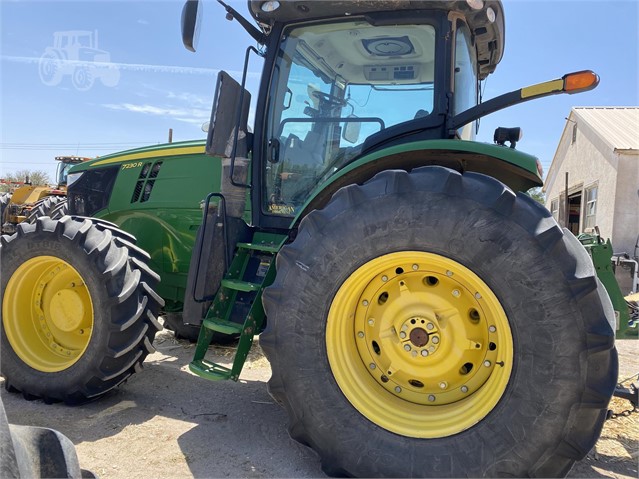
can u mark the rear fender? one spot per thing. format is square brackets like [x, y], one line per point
[519, 171]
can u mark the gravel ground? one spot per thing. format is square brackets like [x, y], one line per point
[166, 422]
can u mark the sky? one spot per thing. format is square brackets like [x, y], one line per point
[155, 84]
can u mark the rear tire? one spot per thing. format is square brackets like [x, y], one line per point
[419, 246]
[44, 207]
[78, 309]
[59, 210]
[4, 201]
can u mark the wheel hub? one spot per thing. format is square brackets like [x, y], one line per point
[66, 310]
[419, 337]
[430, 334]
[47, 313]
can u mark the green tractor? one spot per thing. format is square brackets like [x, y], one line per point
[422, 315]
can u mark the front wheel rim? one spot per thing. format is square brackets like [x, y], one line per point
[419, 344]
[47, 314]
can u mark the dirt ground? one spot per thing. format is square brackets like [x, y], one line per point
[166, 422]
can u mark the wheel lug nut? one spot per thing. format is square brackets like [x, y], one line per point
[359, 335]
[435, 339]
[372, 365]
[449, 273]
[371, 321]
[431, 398]
[464, 389]
[398, 389]
[443, 385]
[364, 303]
[415, 267]
[407, 347]
[477, 296]
[384, 278]
[430, 326]
[424, 353]
[487, 363]
[456, 293]
[402, 335]
[432, 349]
[492, 329]
[413, 354]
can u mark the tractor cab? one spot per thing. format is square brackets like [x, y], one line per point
[342, 79]
[64, 165]
[345, 81]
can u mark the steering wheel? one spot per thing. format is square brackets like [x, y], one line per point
[328, 99]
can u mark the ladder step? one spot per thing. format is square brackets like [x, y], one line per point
[222, 326]
[209, 370]
[239, 285]
[266, 247]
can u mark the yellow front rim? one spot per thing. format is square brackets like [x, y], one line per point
[47, 314]
[419, 344]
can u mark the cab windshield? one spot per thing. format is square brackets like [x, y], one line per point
[333, 86]
[62, 172]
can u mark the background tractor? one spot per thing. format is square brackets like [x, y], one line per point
[28, 202]
[76, 53]
[422, 315]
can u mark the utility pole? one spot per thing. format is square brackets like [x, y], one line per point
[170, 135]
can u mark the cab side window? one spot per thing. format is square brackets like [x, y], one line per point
[465, 77]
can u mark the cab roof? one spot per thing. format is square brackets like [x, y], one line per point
[489, 35]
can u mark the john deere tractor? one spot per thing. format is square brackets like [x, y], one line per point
[421, 314]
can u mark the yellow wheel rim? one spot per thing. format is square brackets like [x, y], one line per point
[47, 314]
[419, 344]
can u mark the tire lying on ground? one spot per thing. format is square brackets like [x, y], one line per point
[436, 324]
[44, 207]
[29, 452]
[78, 309]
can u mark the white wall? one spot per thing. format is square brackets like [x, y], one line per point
[626, 212]
[588, 160]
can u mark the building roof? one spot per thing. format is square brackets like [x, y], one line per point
[617, 126]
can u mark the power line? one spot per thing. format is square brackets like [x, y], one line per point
[47, 146]
[74, 144]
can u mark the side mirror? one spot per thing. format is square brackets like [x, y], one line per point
[191, 17]
[351, 130]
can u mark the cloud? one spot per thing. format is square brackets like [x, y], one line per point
[141, 21]
[195, 116]
[190, 98]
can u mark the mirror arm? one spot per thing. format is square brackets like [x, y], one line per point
[257, 35]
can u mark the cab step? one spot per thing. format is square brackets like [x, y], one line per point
[237, 306]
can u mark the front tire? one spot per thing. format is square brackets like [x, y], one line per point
[78, 309]
[517, 382]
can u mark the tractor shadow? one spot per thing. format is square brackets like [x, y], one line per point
[172, 423]
[216, 428]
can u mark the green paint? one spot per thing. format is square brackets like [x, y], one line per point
[165, 225]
